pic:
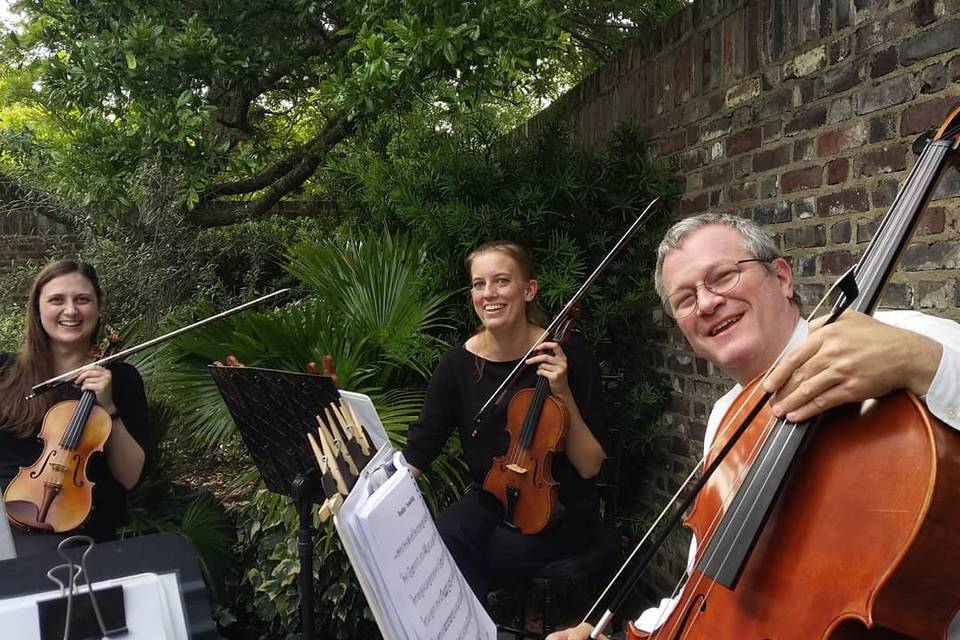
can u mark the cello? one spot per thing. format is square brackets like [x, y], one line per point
[846, 530]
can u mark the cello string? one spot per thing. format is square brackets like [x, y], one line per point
[717, 516]
[689, 479]
[715, 523]
[668, 508]
[882, 244]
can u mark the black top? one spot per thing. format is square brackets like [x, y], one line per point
[460, 385]
[109, 496]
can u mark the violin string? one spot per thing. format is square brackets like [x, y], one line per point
[881, 244]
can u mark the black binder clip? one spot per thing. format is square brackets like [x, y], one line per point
[85, 618]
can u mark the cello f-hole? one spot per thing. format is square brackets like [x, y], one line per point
[698, 602]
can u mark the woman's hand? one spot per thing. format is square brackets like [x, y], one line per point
[551, 363]
[100, 381]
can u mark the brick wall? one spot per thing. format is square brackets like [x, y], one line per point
[798, 114]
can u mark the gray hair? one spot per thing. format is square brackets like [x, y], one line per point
[756, 242]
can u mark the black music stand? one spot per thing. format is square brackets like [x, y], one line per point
[274, 411]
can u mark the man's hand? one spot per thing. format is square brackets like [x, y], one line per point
[851, 360]
[580, 632]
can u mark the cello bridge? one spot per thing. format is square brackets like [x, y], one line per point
[516, 468]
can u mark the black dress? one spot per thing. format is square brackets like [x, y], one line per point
[489, 553]
[109, 497]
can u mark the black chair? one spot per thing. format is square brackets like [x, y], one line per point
[580, 574]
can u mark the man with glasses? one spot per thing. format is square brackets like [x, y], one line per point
[730, 292]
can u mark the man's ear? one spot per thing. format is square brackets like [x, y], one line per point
[784, 273]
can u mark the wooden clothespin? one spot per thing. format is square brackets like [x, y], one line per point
[348, 418]
[332, 504]
[340, 443]
[330, 451]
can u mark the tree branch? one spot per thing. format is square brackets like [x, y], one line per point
[282, 178]
[14, 197]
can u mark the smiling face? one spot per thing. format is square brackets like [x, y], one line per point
[500, 291]
[743, 330]
[69, 311]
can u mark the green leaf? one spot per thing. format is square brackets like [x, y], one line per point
[131, 61]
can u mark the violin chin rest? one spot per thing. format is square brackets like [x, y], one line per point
[26, 515]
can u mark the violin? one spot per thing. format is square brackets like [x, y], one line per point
[537, 422]
[54, 494]
[839, 530]
[521, 479]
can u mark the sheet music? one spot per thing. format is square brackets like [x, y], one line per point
[367, 414]
[7, 548]
[152, 602]
[410, 579]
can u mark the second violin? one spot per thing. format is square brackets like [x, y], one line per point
[522, 478]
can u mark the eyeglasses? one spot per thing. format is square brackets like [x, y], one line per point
[720, 279]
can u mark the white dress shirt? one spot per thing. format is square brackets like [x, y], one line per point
[942, 399]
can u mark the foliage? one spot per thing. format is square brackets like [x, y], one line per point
[366, 306]
[242, 98]
[11, 331]
[236, 103]
[151, 275]
[161, 504]
[566, 204]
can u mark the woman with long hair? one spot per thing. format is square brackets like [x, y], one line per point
[62, 324]
[489, 553]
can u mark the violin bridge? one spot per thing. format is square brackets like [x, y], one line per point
[516, 468]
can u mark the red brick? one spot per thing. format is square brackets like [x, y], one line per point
[866, 228]
[805, 149]
[673, 142]
[953, 68]
[840, 232]
[698, 204]
[834, 263]
[772, 158]
[718, 174]
[744, 191]
[883, 62]
[846, 136]
[815, 117]
[886, 160]
[691, 159]
[843, 202]
[743, 141]
[922, 116]
[931, 221]
[837, 170]
[798, 179]
[771, 130]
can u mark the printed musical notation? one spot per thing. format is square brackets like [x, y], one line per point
[417, 586]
